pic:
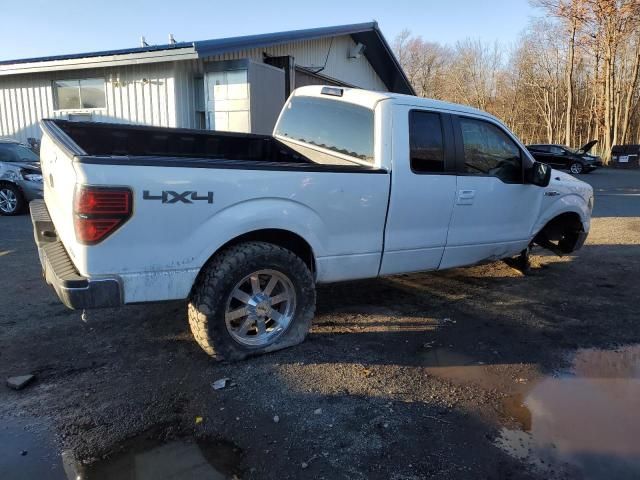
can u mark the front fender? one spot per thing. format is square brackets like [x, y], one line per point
[569, 203]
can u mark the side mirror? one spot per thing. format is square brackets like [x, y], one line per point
[539, 174]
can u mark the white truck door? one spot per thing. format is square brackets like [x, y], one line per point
[494, 210]
[423, 186]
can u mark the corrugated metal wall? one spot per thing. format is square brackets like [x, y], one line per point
[142, 94]
[313, 53]
[308, 53]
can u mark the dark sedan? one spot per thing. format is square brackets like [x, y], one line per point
[561, 157]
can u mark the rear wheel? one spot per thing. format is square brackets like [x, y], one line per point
[576, 167]
[252, 298]
[11, 200]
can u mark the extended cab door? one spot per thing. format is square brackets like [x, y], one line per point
[494, 209]
[559, 157]
[423, 186]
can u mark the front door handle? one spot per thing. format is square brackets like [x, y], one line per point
[465, 197]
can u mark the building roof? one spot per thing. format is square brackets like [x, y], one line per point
[378, 52]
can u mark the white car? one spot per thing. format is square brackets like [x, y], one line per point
[352, 184]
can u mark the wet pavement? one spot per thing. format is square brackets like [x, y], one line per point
[584, 423]
[145, 458]
[28, 451]
[406, 377]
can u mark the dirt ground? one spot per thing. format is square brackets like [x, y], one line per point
[402, 378]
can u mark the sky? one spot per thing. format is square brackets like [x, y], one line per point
[32, 28]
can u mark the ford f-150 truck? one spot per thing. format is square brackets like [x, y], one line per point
[352, 184]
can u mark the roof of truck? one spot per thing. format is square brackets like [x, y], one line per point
[370, 98]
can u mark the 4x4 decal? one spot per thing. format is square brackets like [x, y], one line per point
[169, 196]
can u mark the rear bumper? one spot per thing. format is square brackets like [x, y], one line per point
[31, 190]
[74, 290]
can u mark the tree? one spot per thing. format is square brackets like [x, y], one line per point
[571, 77]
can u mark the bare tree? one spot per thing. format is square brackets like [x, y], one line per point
[572, 77]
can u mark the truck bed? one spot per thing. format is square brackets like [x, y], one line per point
[109, 143]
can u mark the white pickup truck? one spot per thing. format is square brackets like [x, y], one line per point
[352, 184]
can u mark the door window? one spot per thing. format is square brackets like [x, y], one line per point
[539, 148]
[557, 150]
[426, 142]
[489, 151]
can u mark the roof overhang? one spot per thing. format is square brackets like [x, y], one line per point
[109, 59]
[377, 51]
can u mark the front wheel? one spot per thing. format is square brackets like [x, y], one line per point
[252, 298]
[11, 200]
[576, 167]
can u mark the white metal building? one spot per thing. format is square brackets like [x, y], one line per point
[235, 84]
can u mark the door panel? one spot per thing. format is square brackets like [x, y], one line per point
[422, 198]
[547, 158]
[495, 222]
[558, 158]
[493, 215]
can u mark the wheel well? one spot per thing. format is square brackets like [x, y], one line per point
[283, 238]
[7, 182]
[11, 184]
[563, 229]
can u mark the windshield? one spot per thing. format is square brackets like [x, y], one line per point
[338, 126]
[14, 152]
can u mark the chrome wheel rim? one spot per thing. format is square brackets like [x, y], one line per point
[260, 308]
[576, 168]
[8, 200]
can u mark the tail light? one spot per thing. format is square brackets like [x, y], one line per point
[100, 211]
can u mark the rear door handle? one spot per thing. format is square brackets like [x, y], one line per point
[552, 193]
[465, 197]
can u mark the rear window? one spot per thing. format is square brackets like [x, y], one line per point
[333, 125]
[12, 152]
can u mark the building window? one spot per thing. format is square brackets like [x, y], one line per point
[79, 94]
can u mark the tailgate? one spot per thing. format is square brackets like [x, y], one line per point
[59, 179]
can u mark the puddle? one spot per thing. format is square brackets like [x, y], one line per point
[143, 458]
[458, 368]
[27, 451]
[584, 423]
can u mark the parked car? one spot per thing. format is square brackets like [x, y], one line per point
[558, 156]
[245, 225]
[625, 156]
[20, 177]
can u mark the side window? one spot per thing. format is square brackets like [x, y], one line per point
[489, 151]
[425, 142]
[7, 153]
[557, 150]
[540, 148]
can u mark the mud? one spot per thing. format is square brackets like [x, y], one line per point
[585, 421]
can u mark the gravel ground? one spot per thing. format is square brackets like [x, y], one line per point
[403, 377]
